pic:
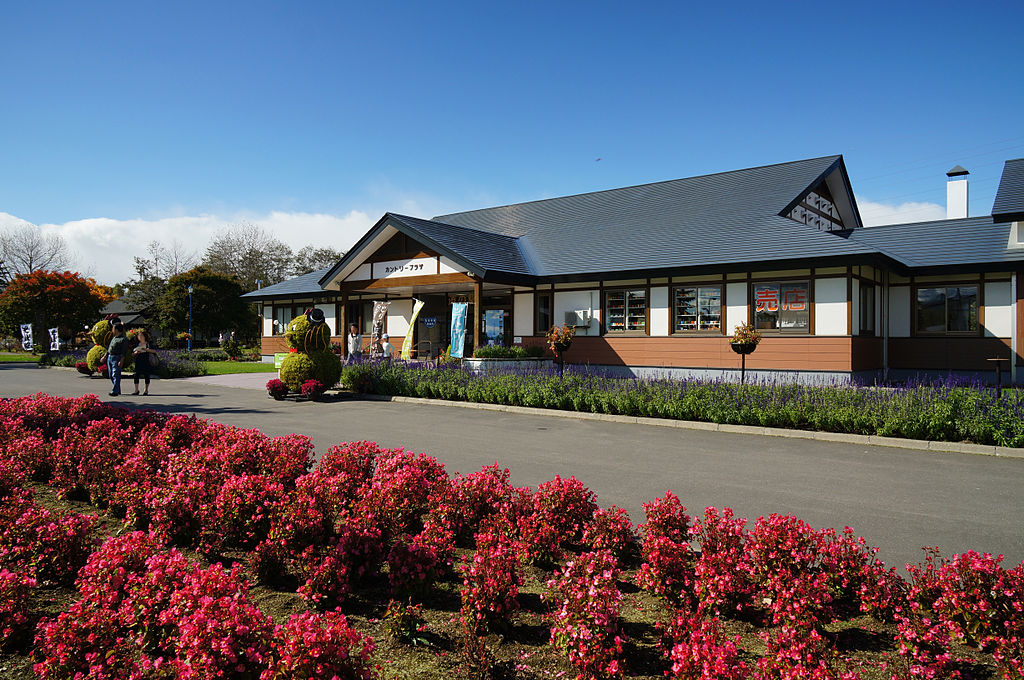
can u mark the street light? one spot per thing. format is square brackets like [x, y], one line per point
[190, 318]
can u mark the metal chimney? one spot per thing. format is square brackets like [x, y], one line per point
[956, 193]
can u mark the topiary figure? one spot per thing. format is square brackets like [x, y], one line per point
[310, 337]
[102, 333]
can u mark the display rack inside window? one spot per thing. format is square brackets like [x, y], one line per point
[626, 310]
[698, 309]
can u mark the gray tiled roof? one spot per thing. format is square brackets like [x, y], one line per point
[725, 218]
[968, 241]
[487, 250]
[300, 286]
[1009, 203]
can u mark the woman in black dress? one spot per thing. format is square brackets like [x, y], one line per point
[143, 366]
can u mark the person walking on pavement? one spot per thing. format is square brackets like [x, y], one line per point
[143, 362]
[116, 351]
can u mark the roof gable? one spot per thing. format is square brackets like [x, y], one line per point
[1009, 203]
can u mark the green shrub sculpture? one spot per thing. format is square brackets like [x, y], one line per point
[311, 359]
[307, 337]
[102, 333]
[94, 356]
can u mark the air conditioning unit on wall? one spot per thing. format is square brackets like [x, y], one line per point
[579, 318]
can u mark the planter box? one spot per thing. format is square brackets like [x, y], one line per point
[480, 366]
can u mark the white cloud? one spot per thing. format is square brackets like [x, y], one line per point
[875, 214]
[104, 247]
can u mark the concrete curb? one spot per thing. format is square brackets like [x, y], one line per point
[862, 439]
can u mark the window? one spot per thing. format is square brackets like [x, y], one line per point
[949, 309]
[867, 309]
[360, 314]
[544, 313]
[283, 314]
[697, 308]
[626, 310]
[782, 306]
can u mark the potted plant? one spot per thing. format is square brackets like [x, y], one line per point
[559, 340]
[744, 341]
[277, 389]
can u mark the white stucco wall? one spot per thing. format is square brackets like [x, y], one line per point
[328, 311]
[522, 314]
[735, 306]
[830, 307]
[659, 311]
[998, 309]
[570, 301]
[399, 313]
[899, 311]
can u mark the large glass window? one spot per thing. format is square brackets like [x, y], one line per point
[782, 306]
[544, 312]
[867, 309]
[284, 314]
[949, 309]
[697, 308]
[625, 310]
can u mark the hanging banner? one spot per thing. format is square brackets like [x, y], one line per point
[407, 344]
[26, 337]
[380, 310]
[54, 340]
[458, 328]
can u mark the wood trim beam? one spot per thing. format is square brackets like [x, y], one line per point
[406, 281]
[478, 291]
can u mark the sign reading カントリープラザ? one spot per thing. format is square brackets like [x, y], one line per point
[419, 266]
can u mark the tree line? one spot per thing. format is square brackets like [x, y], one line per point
[238, 260]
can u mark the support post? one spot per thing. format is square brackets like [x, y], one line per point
[478, 290]
[343, 324]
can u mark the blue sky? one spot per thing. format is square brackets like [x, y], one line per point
[313, 118]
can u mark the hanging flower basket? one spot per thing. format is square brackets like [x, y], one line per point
[743, 347]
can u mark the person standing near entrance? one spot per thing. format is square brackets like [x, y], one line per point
[115, 358]
[386, 348]
[355, 343]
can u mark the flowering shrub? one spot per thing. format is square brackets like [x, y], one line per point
[610, 530]
[312, 389]
[51, 546]
[85, 460]
[723, 575]
[15, 589]
[277, 389]
[404, 621]
[83, 367]
[312, 645]
[355, 555]
[698, 649]
[567, 504]
[668, 559]
[470, 499]
[242, 513]
[413, 565]
[402, 485]
[491, 580]
[797, 652]
[585, 625]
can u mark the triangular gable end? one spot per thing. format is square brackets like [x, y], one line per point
[388, 252]
[828, 204]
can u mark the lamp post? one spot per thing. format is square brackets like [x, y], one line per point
[190, 318]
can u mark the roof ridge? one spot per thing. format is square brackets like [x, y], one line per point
[634, 186]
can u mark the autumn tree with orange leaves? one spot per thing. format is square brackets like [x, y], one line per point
[48, 299]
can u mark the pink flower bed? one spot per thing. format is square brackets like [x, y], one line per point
[368, 518]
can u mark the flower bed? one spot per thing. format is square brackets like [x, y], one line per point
[948, 410]
[240, 558]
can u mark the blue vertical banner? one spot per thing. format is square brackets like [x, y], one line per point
[458, 328]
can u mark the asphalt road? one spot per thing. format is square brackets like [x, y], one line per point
[899, 500]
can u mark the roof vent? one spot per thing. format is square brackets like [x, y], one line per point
[956, 193]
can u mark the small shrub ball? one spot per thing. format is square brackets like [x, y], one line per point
[94, 355]
[296, 369]
[326, 368]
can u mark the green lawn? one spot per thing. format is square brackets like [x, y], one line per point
[225, 367]
[17, 356]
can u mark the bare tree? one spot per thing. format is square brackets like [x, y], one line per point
[25, 249]
[165, 261]
[310, 258]
[250, 253]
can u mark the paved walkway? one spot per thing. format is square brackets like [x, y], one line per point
[898, 499]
